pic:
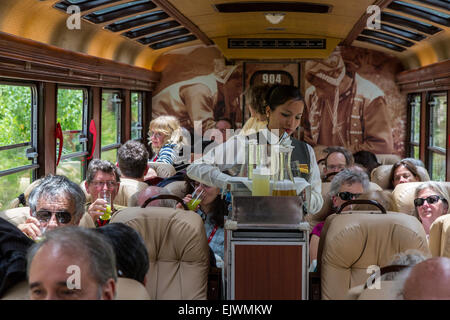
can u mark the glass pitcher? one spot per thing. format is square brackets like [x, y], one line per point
[283, 181]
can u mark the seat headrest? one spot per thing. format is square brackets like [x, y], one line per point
[404, 195]
[177, 248]
[440, 237]
[130, 289]
[353, 241]
[16, 216]
[163, 170]
[388, 158]
[380, 175]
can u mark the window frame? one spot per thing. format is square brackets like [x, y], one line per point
[140, 126]
[118, 142]
[31, 153]
[431, 149]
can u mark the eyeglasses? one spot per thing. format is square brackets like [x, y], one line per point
[109, 184]
[63, 217]
[430, 199]
[348, 195]
[156, 134]
[336, 167]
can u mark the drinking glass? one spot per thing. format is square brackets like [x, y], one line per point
[106, 195]
[196, 199]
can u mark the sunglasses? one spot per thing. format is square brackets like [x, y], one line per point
[63, 217]
[431, 199]
[348, 195]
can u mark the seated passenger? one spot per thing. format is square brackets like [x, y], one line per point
[416, 162]
[72, 264]
[132, 158]
[131, 254]
[101, 175]
[138, 199]
[427, 280]
[367, 159]
[346, 185]
[430, 202]
[55, 202]
[166, 139]
[337, 159]
[224, 125]
[403, 171]
[212, 209]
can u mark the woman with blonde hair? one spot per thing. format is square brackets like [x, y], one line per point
[166, 139]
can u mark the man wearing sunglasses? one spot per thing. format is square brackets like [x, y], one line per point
[55, 202]
[346, 185]
[101, 175]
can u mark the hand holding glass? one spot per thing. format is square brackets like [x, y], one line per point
[196, 199]
[106, 195]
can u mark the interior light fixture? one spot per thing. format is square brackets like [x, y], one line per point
[274, 17]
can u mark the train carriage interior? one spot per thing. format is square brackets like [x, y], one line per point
[79, 78]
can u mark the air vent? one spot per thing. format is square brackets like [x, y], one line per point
[273, 6]
[273, 43]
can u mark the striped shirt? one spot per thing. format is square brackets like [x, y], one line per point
[167, 154]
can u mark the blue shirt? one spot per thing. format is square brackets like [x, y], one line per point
[217, 241]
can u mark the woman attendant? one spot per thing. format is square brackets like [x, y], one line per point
[284, 109]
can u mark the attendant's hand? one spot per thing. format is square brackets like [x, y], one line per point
[31, 228]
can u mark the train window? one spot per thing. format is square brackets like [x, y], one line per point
[111, 117]
[136, 115]
[72, 116]
[436, 148]
[18, 139]
[414, 111]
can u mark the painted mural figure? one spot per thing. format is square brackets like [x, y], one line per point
[196, 85]
[344, 109]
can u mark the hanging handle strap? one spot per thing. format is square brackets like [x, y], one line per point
[93, 131]
[59, 135]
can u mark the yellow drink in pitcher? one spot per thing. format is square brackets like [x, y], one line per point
[261, 182]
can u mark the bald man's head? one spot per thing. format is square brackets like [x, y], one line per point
[153, 191]
[428, 280]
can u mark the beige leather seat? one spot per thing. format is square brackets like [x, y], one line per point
[17, 292]
[352, 242]
[130, 289]
[386, 291]
[177, 248]
[380, 175]
[16, 216]
[439, 241]
[388, 158]
[163, 170]
[404, 195]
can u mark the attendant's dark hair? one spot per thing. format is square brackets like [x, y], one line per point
[131, 254]
[280, 94]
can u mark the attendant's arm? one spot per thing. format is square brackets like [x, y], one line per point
[208, 169]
